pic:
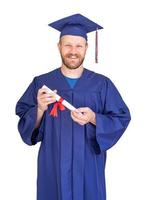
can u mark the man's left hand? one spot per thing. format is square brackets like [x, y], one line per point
[83, 116]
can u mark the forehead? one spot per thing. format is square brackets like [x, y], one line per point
[73, 39]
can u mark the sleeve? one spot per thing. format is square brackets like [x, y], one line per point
[26, 109]
[113, 121]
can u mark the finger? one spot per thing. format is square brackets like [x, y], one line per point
[46, 95]
[83, 109]
[78, 118]
[81, 122]
[46, 100]
[42, 90]
[78, 115]
[83, 117]
[45, 91]
[50, 100]
[43, 96]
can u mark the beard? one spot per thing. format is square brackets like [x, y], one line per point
[72, 61]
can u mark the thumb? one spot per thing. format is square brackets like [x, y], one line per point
[82, 109]
[55, 91]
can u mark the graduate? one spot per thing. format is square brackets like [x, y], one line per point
[72, 155]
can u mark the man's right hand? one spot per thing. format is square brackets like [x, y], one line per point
[44, 98]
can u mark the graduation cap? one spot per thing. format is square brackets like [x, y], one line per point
[78, 25]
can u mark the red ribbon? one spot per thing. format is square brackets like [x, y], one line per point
[57, 105]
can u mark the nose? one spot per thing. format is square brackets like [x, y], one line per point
[73, 50]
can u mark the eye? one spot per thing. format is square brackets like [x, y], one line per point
[79, 46]
[67, 45]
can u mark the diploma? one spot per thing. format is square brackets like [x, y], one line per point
[64, 102]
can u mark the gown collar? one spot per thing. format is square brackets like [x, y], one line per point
[66, 85]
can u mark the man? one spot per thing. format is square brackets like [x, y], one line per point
[72, 156]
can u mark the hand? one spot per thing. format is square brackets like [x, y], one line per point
[83, 116]
[44, 98]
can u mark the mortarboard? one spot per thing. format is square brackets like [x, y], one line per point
[77, 25]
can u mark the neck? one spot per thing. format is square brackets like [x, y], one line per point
[72, 73]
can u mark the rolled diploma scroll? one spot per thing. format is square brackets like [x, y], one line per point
[64, 102]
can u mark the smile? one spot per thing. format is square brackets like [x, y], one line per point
[73, 57]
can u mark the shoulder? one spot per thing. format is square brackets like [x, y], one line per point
[47, 75]
[97, 78]
[44, 79]
[99, 81]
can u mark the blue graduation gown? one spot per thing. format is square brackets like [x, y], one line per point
[71, 160]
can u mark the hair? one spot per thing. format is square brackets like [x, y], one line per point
[59, 42]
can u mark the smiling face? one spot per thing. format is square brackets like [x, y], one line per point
[72, 50]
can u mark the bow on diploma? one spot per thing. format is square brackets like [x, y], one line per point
[61, 103]
[57, 105]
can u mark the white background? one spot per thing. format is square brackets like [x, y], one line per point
[28, 48]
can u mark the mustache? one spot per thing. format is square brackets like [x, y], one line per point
[72, 55]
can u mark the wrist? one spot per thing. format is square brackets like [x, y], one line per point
[40, 113]
[93, 118]
[40, 109]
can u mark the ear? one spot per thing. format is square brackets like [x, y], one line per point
[58, 45]
[86, 45]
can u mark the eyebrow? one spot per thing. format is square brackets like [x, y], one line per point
[69, 43]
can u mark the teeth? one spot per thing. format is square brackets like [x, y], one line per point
[73, 57]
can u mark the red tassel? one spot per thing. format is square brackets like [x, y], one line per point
[96, 48]
[57, 105]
